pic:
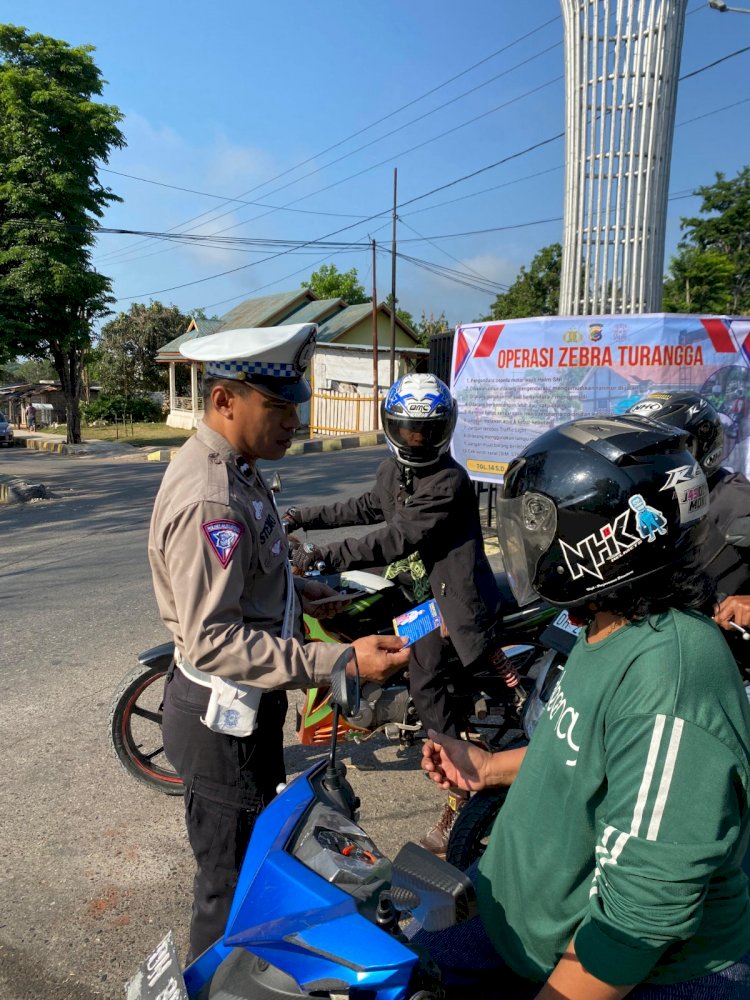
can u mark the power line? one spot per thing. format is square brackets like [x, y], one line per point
[391, 114]
[388, 159]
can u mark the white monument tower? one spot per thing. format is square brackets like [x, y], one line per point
[622, 61]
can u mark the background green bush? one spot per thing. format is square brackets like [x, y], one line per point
[142, 409]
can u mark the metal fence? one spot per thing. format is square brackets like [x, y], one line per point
[338, 413]
[441, 351]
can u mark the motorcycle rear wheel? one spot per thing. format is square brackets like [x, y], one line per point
[473, 826]
[135, 729]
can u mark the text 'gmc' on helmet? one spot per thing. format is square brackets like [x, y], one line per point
[596, 504]
[418, 416]
[690, 412]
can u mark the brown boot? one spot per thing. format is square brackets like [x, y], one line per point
[436, 841]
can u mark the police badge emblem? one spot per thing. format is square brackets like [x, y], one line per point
[224, 537]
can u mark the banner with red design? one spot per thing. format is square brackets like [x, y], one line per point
[515, 379]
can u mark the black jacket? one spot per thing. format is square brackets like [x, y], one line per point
[438, 518]
[727, 551]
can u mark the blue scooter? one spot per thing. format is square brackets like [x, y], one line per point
[318, 909]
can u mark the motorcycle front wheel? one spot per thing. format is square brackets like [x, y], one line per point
[135, 729]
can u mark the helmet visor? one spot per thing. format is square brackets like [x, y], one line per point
[526, 527]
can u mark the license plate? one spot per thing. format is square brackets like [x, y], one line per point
[563, 621]
[160, 977]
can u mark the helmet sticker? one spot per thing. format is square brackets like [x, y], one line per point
[684, 474]
[691, 489]
[648, 520]
[608, 544]
[646, 406]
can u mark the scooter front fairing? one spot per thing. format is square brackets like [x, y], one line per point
[309, 918]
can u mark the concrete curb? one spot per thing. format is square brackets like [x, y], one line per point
[314, 446]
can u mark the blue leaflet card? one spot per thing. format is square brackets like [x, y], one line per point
[421, 620]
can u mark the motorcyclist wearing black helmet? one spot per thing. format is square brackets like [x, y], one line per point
[727, 548]
[430, 511]
[613, 868]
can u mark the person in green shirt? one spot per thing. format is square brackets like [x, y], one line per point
[614, 867]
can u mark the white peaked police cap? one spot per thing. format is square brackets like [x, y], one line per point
[271, 358]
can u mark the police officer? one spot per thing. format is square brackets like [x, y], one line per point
[221, 575]
[429, 508]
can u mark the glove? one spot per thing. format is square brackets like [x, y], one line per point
[304, 557]
[291, 520]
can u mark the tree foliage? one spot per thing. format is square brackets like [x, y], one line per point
[536, 290]
[429, 326]
[711, 270]
[128, 346]
[52, 135]
[330, 283]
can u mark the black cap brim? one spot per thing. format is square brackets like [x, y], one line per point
[291, 390]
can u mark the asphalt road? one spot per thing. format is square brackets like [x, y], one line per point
[96, 868]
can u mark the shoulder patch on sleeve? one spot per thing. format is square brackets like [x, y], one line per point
[224, 537]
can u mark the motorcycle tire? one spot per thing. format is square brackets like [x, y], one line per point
[473, 826]
[135, 729]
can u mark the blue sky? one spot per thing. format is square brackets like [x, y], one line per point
[222, 98]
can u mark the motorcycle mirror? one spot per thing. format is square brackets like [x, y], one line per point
[274, 483]
[345, 683]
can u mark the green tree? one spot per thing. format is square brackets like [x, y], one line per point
[699, 281]
[128, 346]
[403, 314]
[330, 283]
[536, 291]
[52, 136]
[430, 326]
[30, 370]
[711, 270]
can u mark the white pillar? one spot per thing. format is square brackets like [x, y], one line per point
[194, 391]
[622, 61]
[172, 386]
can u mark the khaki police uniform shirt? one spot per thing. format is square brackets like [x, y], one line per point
[217, 551]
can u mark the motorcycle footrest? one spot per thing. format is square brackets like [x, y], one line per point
[446, 895]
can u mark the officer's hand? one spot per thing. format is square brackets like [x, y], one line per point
[316, 600]
[735, 609]
[378, 656]
[291, 520]
[305, 556]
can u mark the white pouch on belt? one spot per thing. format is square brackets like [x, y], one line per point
[233, 708]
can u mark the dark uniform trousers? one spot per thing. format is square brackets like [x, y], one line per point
[228, 780]
[439, 686]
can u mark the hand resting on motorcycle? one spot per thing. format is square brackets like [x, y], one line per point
[453, 763]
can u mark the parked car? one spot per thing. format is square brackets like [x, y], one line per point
[6, 431]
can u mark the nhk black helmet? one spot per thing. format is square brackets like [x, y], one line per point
[596, 504]
[418, 416]
[690, 412]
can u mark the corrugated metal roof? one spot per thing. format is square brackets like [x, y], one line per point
[283, 309]
[343, 321]
[268, 310]
[314, 312]
[198, 328]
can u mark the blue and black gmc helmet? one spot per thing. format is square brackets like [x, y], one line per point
[596, 504]
[418, 416]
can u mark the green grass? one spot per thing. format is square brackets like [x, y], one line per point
[158, 435]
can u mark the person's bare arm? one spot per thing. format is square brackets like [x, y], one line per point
[453, 763]
[570, 981]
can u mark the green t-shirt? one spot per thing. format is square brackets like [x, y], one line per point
[629, 818]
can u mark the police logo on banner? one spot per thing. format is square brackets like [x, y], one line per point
[224, 537]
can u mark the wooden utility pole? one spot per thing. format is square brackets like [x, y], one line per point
[392, 370]
[374, 344]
